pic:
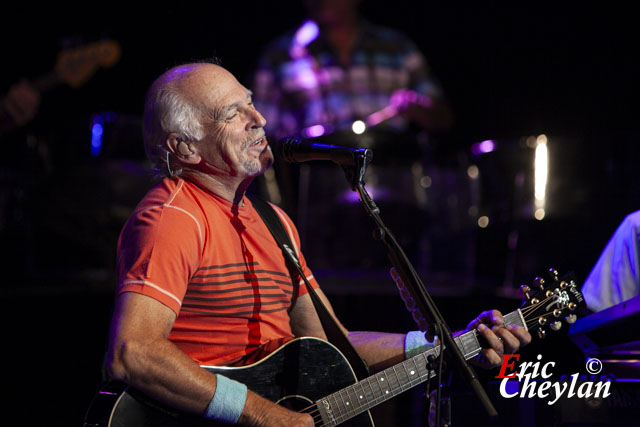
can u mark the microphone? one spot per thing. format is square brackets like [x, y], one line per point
[295, 150]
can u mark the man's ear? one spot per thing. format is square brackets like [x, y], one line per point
[181, 149]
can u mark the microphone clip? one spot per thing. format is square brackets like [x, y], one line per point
[355, 173]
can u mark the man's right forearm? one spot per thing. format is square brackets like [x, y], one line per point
[163, 372]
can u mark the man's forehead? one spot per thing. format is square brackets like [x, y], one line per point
[212, 84]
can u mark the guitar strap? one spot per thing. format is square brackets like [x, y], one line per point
[331, 328]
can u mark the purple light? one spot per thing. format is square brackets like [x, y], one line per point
[380, 116]
[306, 79]
[314, 131]
[307, 33]
[349, 196]
[483, 147]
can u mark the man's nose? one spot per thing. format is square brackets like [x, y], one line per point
[257, 119]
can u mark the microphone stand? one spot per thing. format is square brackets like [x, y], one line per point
[355, 175]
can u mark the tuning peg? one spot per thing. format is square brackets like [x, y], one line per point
[555, 325]
[553, 273]
[525, 290]
[557, 312]
[542, 320]
[572, 306]
[538, 282]
[541, 333]
[534, 301]
[563, 285]
[571, 318]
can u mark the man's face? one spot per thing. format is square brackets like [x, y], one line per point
[234, 142]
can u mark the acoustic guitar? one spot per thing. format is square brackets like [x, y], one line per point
[311, 375]
[74, 67]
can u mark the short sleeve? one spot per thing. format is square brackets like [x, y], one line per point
[158, 251]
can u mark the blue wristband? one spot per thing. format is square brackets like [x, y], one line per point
[416, 343]
[228, 400]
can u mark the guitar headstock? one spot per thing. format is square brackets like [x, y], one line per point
[551, 301]
[75, 66]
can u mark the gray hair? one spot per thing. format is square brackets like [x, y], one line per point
[167, 110]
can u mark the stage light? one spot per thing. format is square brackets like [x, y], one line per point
[541, 164]
[473, 171]
[483, 147]
[307, 33]
[314, 131]
[358, 127]
[96, 135]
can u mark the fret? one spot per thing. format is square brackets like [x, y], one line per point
[357, 397]
[476, 342]
[471, 346]
[353, 397]
[467, 345]
[362, 395]
[373, 393]
[412, 372]
[367, 392]
[404, 374]
[345, 405]
[420, 368]
[391, 381]
[514, 318]
[398, 380]
[336, 407]
[388, 379]
[380, 384]
[458, 341]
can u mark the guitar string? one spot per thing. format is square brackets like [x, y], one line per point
[535, 307]
[534, 321]
[315, 405]
[374, 400]
[314, 410]
[531, 308]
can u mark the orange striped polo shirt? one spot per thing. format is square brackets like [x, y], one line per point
[216, 265]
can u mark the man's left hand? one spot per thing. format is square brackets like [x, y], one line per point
[500, 338]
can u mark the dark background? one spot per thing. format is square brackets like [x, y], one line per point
[510, 71]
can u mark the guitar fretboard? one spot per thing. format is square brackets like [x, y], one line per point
[370, 392]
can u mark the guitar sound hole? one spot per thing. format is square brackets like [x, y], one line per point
[295, 402]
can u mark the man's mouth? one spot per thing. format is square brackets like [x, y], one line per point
[257, 142]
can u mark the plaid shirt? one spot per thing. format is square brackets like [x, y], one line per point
[296, 91]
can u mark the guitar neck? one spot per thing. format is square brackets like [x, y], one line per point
[376, 389]
[47, 81]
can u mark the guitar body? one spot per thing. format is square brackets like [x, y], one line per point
[295, 376]
[309, 373]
